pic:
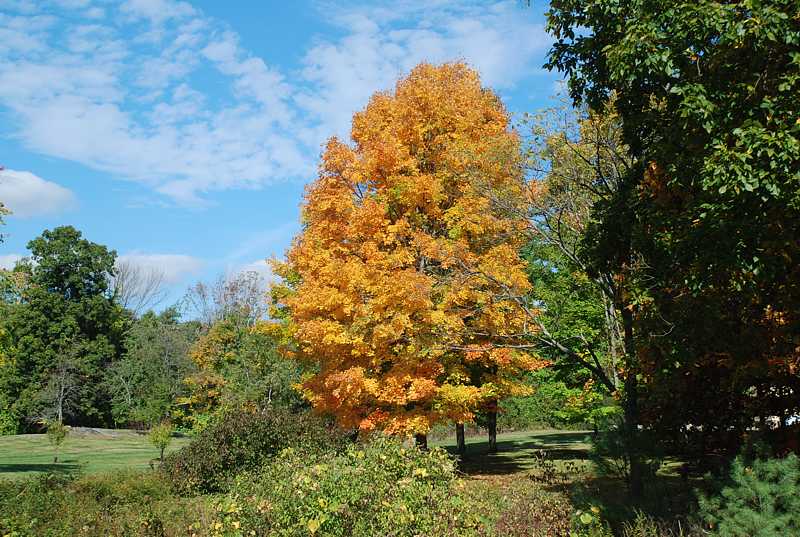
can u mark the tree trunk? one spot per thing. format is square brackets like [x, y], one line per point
[162, 455]
[631, 409]
[421, 441]
[461, 445]
[491, 425]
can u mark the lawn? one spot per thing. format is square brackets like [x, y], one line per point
[90, 451]
[516, 451]
[102, 450]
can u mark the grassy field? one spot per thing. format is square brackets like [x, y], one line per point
[103, 450]
[516, 451]
[90, 452]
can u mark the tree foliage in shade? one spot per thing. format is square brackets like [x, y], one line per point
[707, 92]
[396, 290]
[759, 500]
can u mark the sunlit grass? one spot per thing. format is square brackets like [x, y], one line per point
[28, 454]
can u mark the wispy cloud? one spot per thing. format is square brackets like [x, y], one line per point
[383, 41]
[124, 88]
[176, 268]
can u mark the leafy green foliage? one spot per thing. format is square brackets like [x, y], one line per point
[381, 488]
[161, 437]
[59, 306]
[145, 382]
[241, 440]
[561, 398]
[56, 434]
[236, 362]
[119, 504]
[707, 92]
[762, 499]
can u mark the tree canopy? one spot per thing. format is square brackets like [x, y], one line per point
[64, 328]
[707, 94]
[397, 288]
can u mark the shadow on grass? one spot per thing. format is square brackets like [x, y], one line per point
[52, 468]
[516, 455]
[669, 500]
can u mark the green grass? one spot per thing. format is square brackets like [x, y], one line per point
[516, 450]
[94, 452]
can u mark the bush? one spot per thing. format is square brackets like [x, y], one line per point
[56, 434]
[554, 403]
[161, 437]
[761, 499]
[117, 504]
[241, 441]
[381, 488]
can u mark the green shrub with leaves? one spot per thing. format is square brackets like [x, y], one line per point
[161, 437]
[242, 440]
[118, 504]
[56, 434]
[761, 499]
[588, 523]
[379, 488]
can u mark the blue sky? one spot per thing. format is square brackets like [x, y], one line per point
[181, 134]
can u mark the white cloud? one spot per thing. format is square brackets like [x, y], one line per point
[157, 11]
[8, 261]
[382, 43]
[26, 194]
[175, 267]
[166, 96]
[261, 267]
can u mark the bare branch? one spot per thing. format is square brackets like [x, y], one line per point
[137, 288]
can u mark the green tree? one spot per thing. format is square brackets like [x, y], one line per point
[760, 500]
[160, 436]
[707, 93]
[146, 381]
[61, 307]
[582, 317]
[237, 365]
[56, 434]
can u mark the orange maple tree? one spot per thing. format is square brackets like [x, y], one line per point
[398, 290]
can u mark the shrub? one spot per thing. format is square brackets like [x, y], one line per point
[56, 434]
[761, 499]
[116, 504]
[381, 488]
[554, 403]
[240, 441]
[161, 437]
[589, 524]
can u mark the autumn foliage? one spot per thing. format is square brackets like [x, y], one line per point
[399, 290]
